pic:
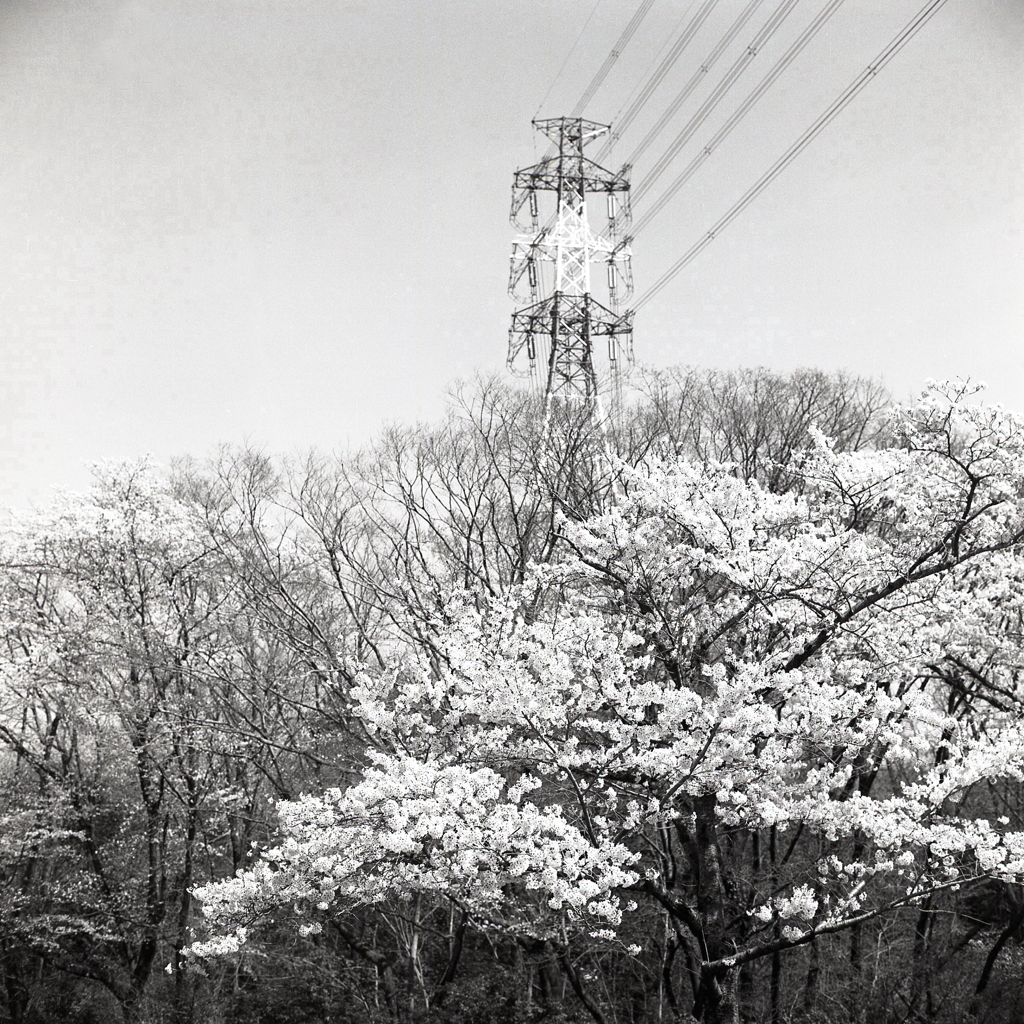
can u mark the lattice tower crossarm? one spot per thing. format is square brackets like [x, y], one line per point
[569, 324]
[570, 247]
[568, 172]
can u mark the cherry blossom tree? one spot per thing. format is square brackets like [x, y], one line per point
[128, 747]
[715, 672]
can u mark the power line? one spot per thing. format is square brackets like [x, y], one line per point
[719, 93]
[740, 112]
[678, 47]
[568, 56]
[602, 72]
[655, 59]
[837, 106]
[684, 94]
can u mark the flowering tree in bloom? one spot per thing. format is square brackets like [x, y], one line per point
[126, 754]
[714, 666]
[111, 610]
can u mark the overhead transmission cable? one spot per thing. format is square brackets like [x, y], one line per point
[602, 72]
[837, 106]
[568, 56]
[704, 111]
[739, 113]
[623, 121]
[698, 76]
[669, 39]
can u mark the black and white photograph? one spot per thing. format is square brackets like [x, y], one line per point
[511, 512]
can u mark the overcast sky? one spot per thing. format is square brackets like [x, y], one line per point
[285, 221]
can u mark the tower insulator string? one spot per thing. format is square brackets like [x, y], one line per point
[739, 113]
[834, 109]
[718, 94]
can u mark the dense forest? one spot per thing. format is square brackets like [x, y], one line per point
[715, 716]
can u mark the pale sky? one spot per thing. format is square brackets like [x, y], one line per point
[285, 221]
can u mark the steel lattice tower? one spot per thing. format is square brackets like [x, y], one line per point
[557, 330]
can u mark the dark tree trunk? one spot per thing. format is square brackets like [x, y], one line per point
[990, 961]
[775, 988]
[920, 981]
[454, 955]
[811, 984]
[717, 996]
[16, 992]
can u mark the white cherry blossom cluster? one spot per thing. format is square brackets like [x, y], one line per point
[706, 637]
[413, 826]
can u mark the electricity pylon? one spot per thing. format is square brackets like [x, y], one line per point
[552, 267]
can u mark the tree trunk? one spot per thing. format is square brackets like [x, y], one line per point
[16, 991]
[990, 961]
[920, 980]
[717, 997]
[577, 986]
[717, 1003]
[811, 985]
[775, 987]
[454, 955]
